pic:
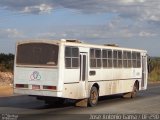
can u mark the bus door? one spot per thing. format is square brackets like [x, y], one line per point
[84, 73]
[144, 72]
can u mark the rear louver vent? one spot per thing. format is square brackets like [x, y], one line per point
[72, 40]
[113, 45]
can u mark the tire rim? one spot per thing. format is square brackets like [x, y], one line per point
[94, 97]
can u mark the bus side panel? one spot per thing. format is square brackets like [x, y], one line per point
[72, 87]
[101, 74]
[71, 75]
[115, 74]
[74, 91]
[114, 81]
[114, 86]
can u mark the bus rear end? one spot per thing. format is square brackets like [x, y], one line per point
[36, 69]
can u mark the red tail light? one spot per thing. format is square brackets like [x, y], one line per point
[50, 87]
[21, 86]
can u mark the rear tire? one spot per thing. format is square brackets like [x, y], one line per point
[134, 91]
[93, 99]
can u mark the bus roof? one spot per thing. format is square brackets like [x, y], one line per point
[72, 42]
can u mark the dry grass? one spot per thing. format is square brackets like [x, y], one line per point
[154, 75]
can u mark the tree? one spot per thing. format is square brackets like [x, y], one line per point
[6, 62]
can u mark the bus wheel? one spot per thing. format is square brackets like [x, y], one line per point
[134, 91]
[93, 99]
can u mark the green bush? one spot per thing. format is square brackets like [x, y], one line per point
[6, 62]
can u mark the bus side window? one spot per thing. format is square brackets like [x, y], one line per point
[104, 58]
[95, 58]
[129, 57]
[115, 59]
[71, 57]
[98, 57]
[136, 59]
[107, 58]
[125, 61]
[110, 56]
[120, 59]
[92, 58]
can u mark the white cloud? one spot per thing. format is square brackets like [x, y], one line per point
[10, 33]
[42, 8]
[46, 35]
[125, 8]
[87, 32]
[27, 6]
[146, 34]
[132, 1]
[144, 10]
[133, 18]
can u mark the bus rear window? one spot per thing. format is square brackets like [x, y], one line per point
[37, 54]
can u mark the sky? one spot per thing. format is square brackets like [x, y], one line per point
[128, 23]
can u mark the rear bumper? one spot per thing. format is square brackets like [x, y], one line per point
[38, 92]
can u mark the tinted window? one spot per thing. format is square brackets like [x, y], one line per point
[127, 59]
[115, 59]
[136, 59]
[95, 58]
[37, 54]
[119, 59]
[71, 57]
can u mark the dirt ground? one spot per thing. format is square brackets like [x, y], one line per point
[6, 91]
[6, 81]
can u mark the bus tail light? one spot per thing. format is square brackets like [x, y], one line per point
[49, 87]
[21, 86]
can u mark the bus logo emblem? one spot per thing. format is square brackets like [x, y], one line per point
[35, 76]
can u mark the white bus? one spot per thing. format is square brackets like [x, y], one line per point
[71, 69]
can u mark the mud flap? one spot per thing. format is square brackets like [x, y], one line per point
[82, 103]
[127, 95]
